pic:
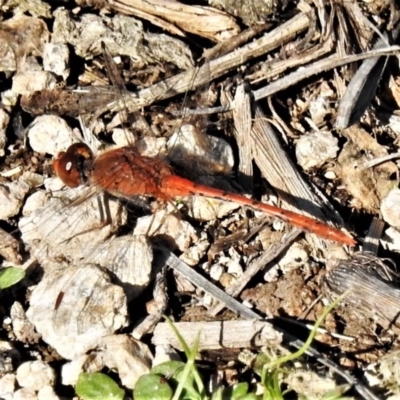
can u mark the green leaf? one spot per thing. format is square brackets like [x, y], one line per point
[152, 386]
[173, 371]
[248, 396]
[96, 386]
[168, 368]
[239, 390]
[10, 276]
[337, 393]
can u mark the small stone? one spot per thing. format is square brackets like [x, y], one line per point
[22, 328]
[34, 375]
[50, 134]
[391, 240]
[216, 271]
[315, 149]
[55, 59]
[295, 257]
[73, 308]
[25, 394]
[7, 386]
[390, 208]
[130, 357]
[47, 393]
[227, 280]
[32, 81]
[11, 198]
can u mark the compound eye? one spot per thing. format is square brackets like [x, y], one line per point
[69, 165]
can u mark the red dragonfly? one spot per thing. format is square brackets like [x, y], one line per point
[124, 172]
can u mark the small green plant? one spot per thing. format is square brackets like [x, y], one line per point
[10, 276]
[271, 370]
[175, 380]
[96, 386]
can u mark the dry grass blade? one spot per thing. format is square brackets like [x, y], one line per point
[183, 82]
[202, 283]
[371, 243]
[203, 21]
[276, 67]
[326, 64]
[371, 293]
[242, 121]
[279, 170]
[362, 87]
[219, 334]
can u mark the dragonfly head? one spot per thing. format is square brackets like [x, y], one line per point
[74, 165]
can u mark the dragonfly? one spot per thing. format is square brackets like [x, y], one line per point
[125, 173]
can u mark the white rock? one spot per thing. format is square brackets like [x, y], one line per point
[92, 362]
[211, 153]
[57, 229]
[130, 357]
[22, 328]
[56, 58]
[331, 175]
[32, 179]
[295, 257]
[53, 184]
[122, 137]
[123, 35]
[71, 370]
[7, 386]
[315, 149]
[9, 98]
[35, 375]
[22, 36]
[35, 201]
[391, 240]
[165, 353]
[30, 64]
[161, 223]
[151, 146]
[33, 81]
[207, 209]
[319, 108]
[207, 301]
[89, 363]
[390, 208]
[234, 266]
[25, 394]
[50, 134]
[195, 253]
[129, 258]
[11, 198]
[73, 308]
[216, 271]
[271, 275]
[47, 393]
